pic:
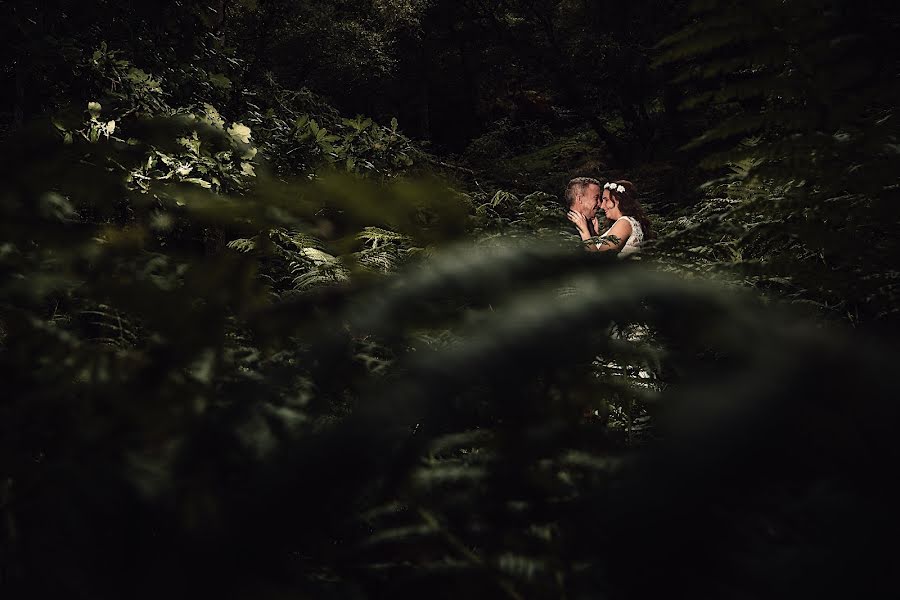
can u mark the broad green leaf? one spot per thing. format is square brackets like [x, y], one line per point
[197, 181]
[144, 80]
[240, 132]
[220, 81]
[192, 144]
[57, 207]
[212, 116]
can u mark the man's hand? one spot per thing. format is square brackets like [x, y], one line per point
[580, 222]
[584, 231]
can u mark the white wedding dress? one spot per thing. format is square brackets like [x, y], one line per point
[635, 240]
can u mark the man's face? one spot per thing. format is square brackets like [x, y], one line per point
[588, 201]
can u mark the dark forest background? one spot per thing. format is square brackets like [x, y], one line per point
[289, 306]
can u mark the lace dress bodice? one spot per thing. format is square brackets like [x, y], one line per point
[635, 240]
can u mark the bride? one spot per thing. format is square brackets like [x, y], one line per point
[627, 226]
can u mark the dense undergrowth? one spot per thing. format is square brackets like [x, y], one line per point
[251, 347]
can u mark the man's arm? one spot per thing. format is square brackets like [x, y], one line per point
[620, 232]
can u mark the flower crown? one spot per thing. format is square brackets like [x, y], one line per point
[614, 188]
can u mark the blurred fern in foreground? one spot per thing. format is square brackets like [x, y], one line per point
[193, 420]
[220, 383]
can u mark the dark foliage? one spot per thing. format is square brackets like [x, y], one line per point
[251, 347]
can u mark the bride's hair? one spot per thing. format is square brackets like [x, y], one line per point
[630, 207]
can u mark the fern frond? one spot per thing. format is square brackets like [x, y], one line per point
[377, 236]
[243, 245]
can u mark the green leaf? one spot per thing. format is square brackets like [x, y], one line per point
[212, 116]
[192, 144]
[142, 79]
[240, 132]
[197, 181]
[503, 197]
[220, 81]
[57, 207]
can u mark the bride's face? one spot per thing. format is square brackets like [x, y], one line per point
[609, 206]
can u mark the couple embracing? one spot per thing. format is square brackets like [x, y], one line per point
[626, 224]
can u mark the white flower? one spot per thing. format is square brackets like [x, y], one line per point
[621, 189]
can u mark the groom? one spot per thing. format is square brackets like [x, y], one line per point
[582, 198]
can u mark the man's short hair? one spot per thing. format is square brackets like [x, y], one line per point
[576, 186]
